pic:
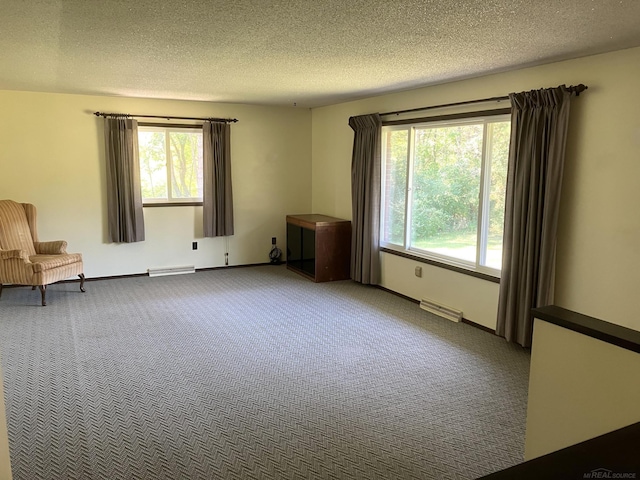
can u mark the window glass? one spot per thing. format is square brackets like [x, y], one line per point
[170, 164]
[443, 190]
[499, 135]
[395, 184]
[186, 160]
[153, 164]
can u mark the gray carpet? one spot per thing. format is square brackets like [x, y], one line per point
[252, 373]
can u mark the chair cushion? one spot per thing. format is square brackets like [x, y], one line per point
[14, 228]
[50, 248]
[42, 263]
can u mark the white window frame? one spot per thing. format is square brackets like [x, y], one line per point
[166, 129]
[483, 204]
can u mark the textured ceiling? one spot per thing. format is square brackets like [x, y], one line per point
[278, 52]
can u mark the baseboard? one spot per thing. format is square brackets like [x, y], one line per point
[133, 275]
[417, 302]
[246, 265]
[206, 269]
[477, 325]
[412, 300]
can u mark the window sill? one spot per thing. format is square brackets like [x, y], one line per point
[446, 266]
[172, 204]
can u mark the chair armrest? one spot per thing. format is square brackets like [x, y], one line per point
[19, 254]
[50, 248]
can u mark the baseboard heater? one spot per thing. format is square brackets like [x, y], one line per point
[158, 272]
[441, 310]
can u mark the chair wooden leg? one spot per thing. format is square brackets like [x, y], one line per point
[43, 291]
[82, 282]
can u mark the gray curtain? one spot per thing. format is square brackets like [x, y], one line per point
[365, 198]
[124, 198]
[539, 122]
[217, 192]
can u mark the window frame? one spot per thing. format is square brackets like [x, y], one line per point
[474, 268]
[170, 201]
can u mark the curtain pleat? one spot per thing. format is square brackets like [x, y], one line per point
[124, 197]
[217, 191]
[365, 198]
[539, 123]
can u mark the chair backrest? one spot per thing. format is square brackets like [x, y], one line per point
[15, 232]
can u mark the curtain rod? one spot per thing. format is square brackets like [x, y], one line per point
[573, 89]
[166, 117]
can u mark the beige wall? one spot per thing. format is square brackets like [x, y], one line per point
[51, 154]
[280, 155]
[477, 298]
[598, 259]
[579, 388]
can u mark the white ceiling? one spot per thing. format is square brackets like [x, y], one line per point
[277, 52]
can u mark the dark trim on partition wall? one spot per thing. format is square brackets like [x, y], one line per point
[446, 266]
[593, 327]
[417, 302]
[617, 450]
[453, 116]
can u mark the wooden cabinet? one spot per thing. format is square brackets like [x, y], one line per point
[319, 247]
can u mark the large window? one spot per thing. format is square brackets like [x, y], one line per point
[443, 190]
[170, 164]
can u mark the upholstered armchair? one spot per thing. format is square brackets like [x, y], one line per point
[24, 260]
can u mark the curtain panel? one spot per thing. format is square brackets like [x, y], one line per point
[365, 198]
[124, 197]
[217, 192]
[539, 123]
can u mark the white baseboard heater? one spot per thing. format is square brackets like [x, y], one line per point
[441, 310]
[160, 271]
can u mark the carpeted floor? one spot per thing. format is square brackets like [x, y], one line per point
[252, 373]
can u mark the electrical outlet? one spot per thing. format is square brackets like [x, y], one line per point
[273, 240]
[418, 271]
[194, 245]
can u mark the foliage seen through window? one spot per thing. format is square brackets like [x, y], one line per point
[170, 164]
[443, 190]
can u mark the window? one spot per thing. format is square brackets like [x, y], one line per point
[170, 164]
[443, 190]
